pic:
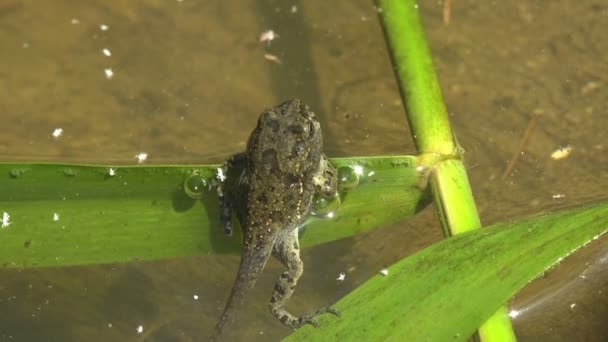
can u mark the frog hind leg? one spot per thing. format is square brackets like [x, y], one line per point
[287, 250]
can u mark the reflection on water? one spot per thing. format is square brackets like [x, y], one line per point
[184, 82]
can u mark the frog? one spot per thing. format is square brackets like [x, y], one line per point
[283, 169]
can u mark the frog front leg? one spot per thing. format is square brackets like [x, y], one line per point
[326, 179]
[287, 250]
[229, 188]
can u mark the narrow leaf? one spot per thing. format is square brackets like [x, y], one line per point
[83, 214]
[446, 291]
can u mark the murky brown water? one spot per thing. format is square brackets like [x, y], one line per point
[189, 80]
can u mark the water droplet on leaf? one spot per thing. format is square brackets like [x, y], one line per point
[348, 178]
[196, 186]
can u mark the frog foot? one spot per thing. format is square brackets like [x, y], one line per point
[312, 318]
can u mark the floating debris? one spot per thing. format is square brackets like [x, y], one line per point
[268, 36]
[272, 58]
[141, 157]
[6, 220]
[57, 133]
[561, 152]
[109, 73]
[514, 313]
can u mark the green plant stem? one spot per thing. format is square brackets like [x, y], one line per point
[417, 80]
[432, 133]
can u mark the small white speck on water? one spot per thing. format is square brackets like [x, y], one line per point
[561, 152]
[272, 58]
[141, 157]
[514, 313]
[57, 133]
[358, 170]
[109, 73]
[220, 174]
[268, 36]
[6, 220]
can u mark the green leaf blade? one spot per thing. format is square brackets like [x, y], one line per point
[143, 212]
[448, 290]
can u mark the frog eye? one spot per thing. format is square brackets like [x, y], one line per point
[270, 119]
[312, 127]
[269, 115]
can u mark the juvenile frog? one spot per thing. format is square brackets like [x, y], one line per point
[283, 169]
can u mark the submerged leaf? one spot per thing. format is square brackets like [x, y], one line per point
[84, 214]
[446, 291]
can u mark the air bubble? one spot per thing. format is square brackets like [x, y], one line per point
[325, 207]
[69, 172]
[16, 173]
[348, 178]
[196, 186]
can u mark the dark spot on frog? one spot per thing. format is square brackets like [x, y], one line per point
[27, 243]
[296, 129]
[261, 198]
[293, 181]
[274, 124]
[297, 149]
[270, 160]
